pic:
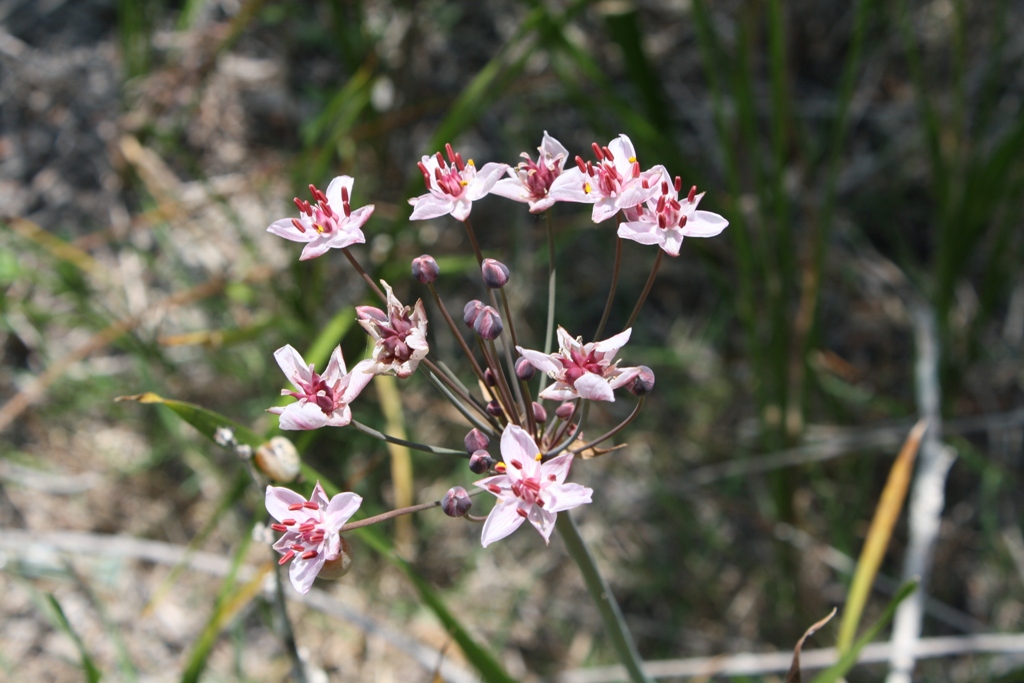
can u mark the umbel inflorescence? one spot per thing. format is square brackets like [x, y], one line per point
[537, 443]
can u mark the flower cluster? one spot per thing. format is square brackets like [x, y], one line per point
[537, 444]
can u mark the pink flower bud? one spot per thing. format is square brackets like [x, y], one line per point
[524, 369]
[643, 383]
[476, 441]
[489, 377]
[424, 269]
[456, 502]
[564, 411]
[495, 273]
[488, 324]
[470, 311]
[494, 408]
[480, 462]
[539, 414]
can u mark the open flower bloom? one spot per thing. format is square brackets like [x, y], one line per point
[529, 182]
[583, 370]
[615, 182]
[530, 489]
[311, 541]
[323, 399]
[400, 335]
[330, 223]
[453, 186]
[665, 220]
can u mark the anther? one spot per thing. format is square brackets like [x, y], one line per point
[494, 488]
[344, 194]
[693, 194]
[515, 463]
[440, 159]
[458, 162]
[664, 187]
[451, 154]
[309, 555]
[500, 468]
[296, 506]
[288, 522]
[287, 556]
[636, 169]
[581, 165]
[608, 154]
[597, 150]
[298, 547]
[311, 505]
[279, 527]
[682, 221]
[298, 225]
[522, 512]
[552, 477]
[678, 183]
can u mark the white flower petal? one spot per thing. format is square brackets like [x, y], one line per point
[340, 510]
[286, 229]
[569, 496]
[302, 415]
[278, 499]
[502, 521]
[292, 364]
[594, 387]
[428, 206]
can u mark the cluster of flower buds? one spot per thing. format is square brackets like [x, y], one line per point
[536, 444]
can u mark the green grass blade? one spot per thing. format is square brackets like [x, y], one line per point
[846, 662]
[204, 420]
[92, 672]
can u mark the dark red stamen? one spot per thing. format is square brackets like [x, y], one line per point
[298, 225]
[581, 165]
[494, 488]
[296, 506]
[344, 194]
[287, 556]
[450, 152]
[311, 505]
[608, 154]
[279, 527]
[597, 150]
[288, 522]
[552, 477]
[515, 463]
[693, 194]
[309, 555]
[678, 183]
[522, 512]
[440, 159]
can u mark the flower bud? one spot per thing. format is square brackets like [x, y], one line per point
[495, 273]
[489, 377]
[278, 459]
[524, 369]
[371, 313]
[476, 441]
[564, 411]
[424, 269]
[456, 502]
[539, 414]
[470, 311]
[643, 383]
[339, 566]
[488, 324]
[494, 408]
[480, 462]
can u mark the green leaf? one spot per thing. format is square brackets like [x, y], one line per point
[204, 420]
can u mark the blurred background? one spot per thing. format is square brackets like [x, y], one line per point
[867, 155]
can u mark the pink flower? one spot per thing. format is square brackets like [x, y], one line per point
[582, 370]
[529, 182]
[330, 223]
[400, 335]
[452, 187]
[529, 489]
[665, 220]
[615, 182]
[323, 399]
[311, 541]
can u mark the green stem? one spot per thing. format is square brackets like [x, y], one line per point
[611, 290]
[611, 615]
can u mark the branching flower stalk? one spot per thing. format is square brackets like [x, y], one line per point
[527, 470]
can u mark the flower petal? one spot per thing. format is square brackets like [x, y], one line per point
[278, 499]
[611, 345]
[461, 208]
[552, 148]
[559, 391]
[485, 179]
[594, 387]
[517, 445]
[622, 149]
[511, 188]
[641, 231]
[502, 521]
[569, 187]
[303, 572]
[625, 376]
[568, 496]
[428, 206]
[541, 361]
[318, 247]
[336, 367]
[704, 224]
[292, 364]
[543, 521]
[286, 229]
[319, 496]
[334, 191]
[302, 415]
[360, 376]
[340, 510]
[558, 466]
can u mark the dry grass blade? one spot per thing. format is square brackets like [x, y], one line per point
[886, 514]
[794, 669]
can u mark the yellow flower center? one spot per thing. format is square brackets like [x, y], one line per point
[586, 188]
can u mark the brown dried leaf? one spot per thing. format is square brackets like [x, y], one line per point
[794, 670]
